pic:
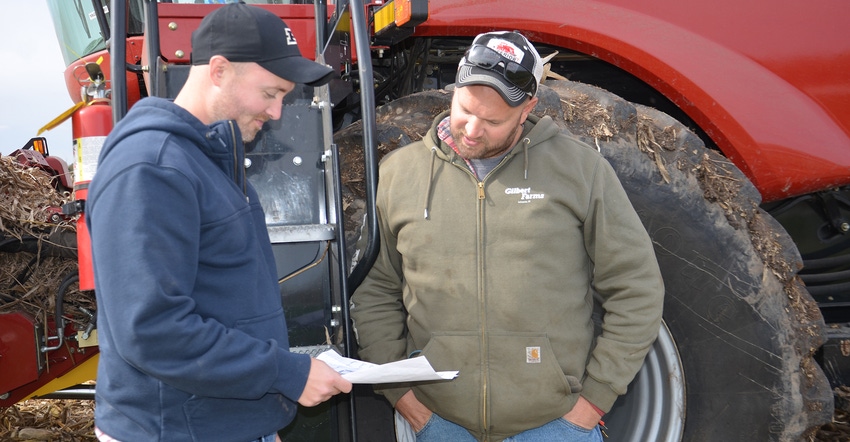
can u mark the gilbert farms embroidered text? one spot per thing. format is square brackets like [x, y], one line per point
[525, 194]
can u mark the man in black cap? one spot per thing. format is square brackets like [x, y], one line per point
[497, 232]
[193, 340]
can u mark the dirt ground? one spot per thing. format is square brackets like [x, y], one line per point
[73, 420]
[48, 420]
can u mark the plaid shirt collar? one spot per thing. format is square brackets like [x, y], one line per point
[444, 133]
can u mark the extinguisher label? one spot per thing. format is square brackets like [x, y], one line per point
[86, 151]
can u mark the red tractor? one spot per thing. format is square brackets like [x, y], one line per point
[727, 122]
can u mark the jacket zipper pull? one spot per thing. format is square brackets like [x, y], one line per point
[480, 190]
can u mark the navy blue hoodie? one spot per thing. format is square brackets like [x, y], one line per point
[192, 336]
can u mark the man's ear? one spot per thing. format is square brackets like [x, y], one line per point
[527, 107]
[218, 67]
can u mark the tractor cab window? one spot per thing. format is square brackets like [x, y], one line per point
[82, 26]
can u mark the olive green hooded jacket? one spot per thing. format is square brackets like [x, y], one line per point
[496, 278]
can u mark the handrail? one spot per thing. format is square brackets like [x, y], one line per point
[367, 104]
[360, 28]
[118, 58]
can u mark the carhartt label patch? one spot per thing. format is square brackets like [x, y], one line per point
[532, 355]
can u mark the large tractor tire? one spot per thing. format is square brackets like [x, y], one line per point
[734, 359]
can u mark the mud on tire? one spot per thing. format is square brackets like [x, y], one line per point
[741, 329]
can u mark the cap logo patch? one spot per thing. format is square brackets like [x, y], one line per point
[506, 49]
[290, 37]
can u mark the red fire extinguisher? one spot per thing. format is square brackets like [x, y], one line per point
[90, 126]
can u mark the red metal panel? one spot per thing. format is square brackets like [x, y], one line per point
[18, 351]
[177, 21]
[19, 357]
[767, 81]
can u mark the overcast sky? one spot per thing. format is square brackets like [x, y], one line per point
[32, 84]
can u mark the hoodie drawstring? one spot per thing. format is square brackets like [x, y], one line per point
[430, 180]
[525, 142]
[238, 166]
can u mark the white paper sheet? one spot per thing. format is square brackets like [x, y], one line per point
[362, 372]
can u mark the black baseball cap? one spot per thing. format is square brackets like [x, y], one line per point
[244, 33]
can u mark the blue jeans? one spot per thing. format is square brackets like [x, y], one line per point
[268, 438]
[438, 429]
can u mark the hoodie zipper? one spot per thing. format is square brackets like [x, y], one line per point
[482, 300]
[482, 317]
[482, 314]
